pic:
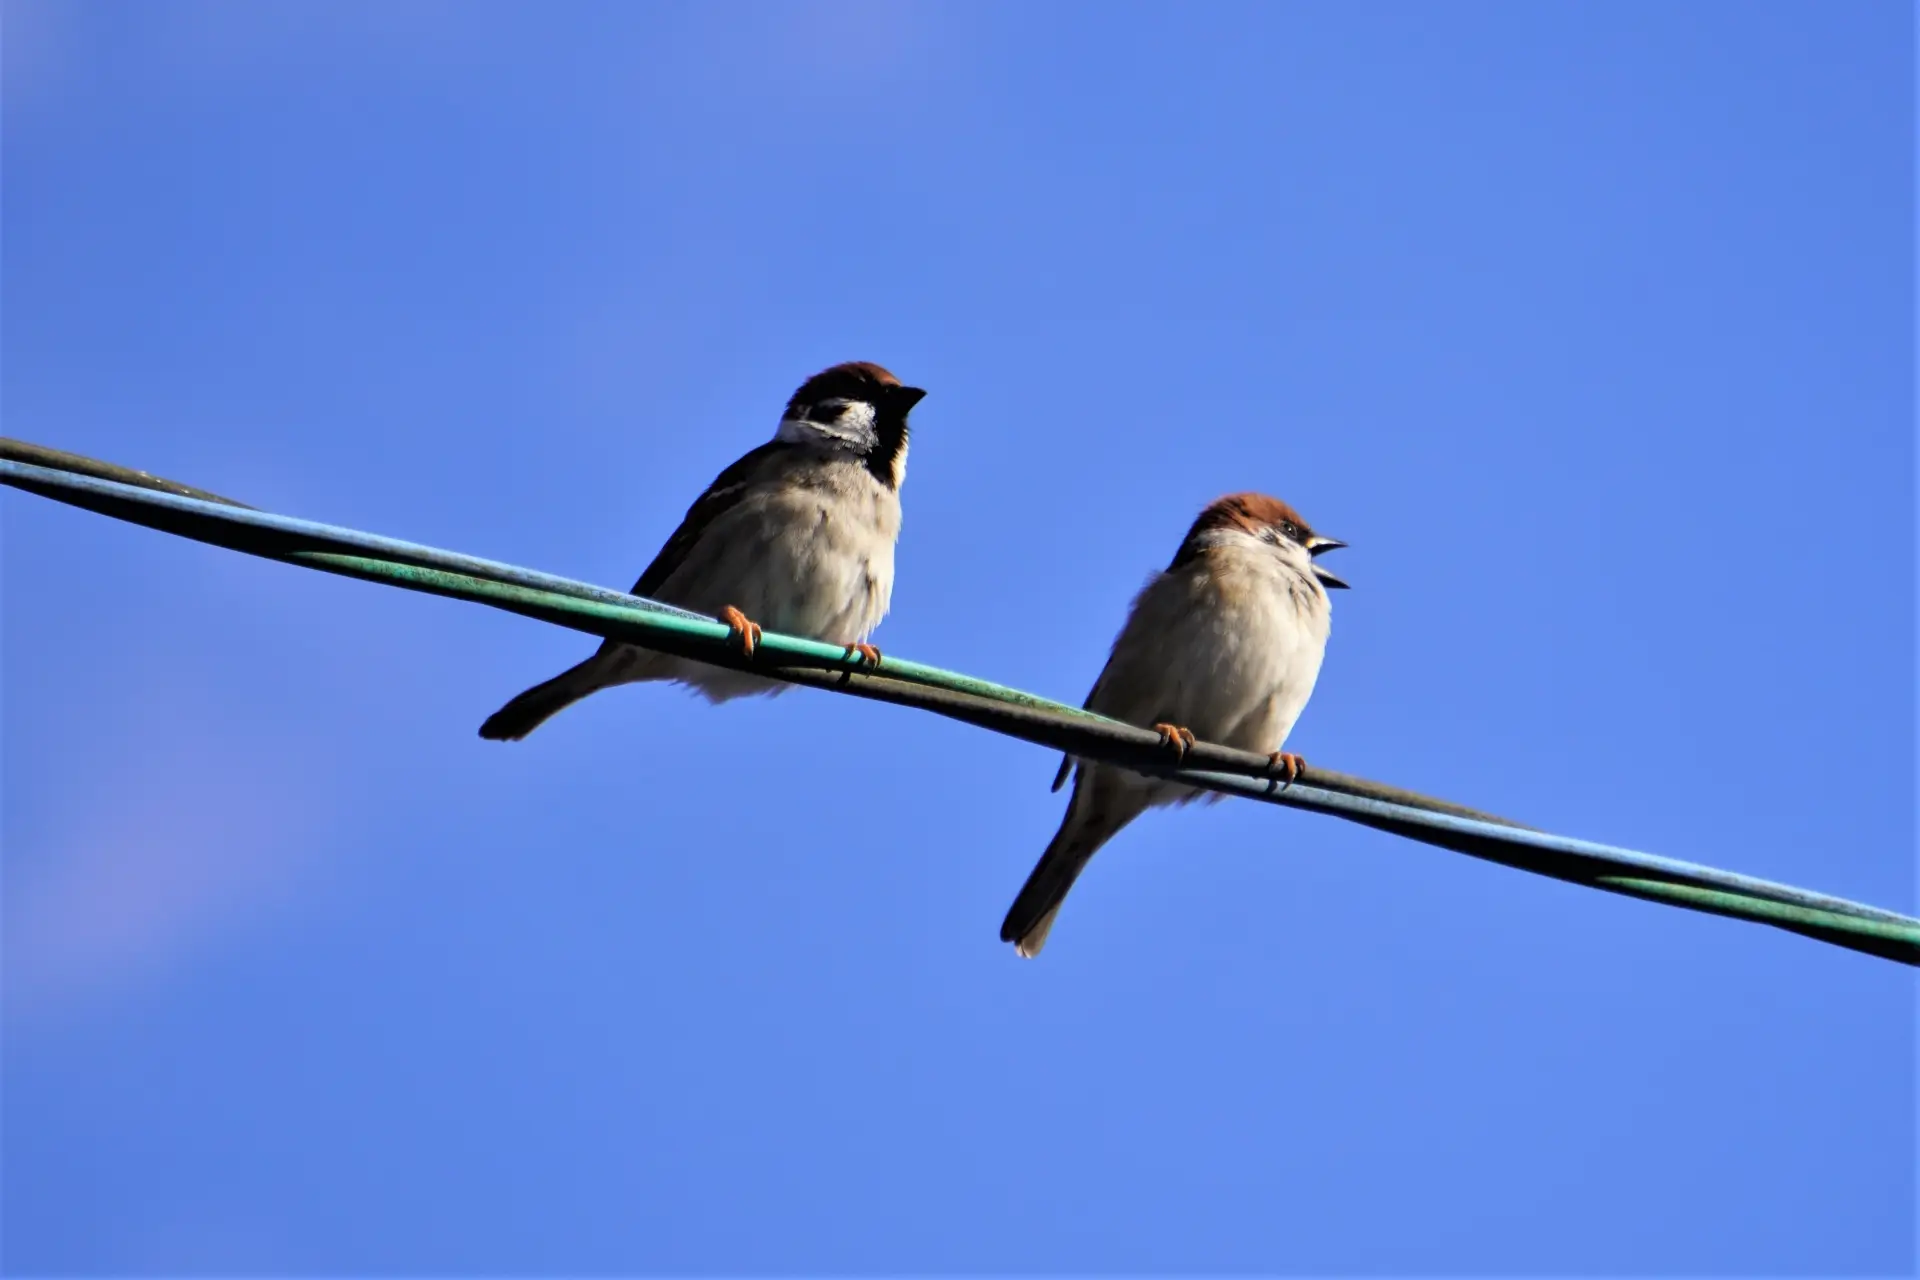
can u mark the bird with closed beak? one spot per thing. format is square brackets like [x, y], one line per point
[797, 536]
[1224, 647]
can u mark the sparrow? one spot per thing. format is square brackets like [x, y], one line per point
[1223, 646]
[796, 536]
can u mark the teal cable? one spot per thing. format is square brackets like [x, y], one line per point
[178, 509]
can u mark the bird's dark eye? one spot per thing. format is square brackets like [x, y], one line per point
[1291, 530]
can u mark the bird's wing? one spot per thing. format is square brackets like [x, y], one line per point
[726, 491]
[1066, 761]
[1130, 686]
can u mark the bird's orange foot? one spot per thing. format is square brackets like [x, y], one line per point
[1286, 765]
[1180, 740]
[866, 651]
[746, 632]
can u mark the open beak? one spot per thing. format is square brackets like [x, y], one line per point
[1314, 548]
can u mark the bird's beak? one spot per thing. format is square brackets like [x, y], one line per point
[904, 398]
[1314, 548]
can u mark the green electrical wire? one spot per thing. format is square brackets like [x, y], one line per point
[170, 507]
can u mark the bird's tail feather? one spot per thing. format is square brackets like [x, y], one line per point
[1090, 822]
[529, 710]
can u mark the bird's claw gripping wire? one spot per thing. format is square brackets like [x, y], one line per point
[866, 651]
[1286, 766]
[1179, 740]
[745, 632]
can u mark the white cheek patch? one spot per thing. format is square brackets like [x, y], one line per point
[853, 427]
[856, 421]
[1225, 537]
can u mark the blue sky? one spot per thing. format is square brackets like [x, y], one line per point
[1588, 325]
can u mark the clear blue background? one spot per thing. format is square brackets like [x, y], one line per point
[1586, 324]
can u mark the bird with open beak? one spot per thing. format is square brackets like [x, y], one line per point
[1224, 647]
